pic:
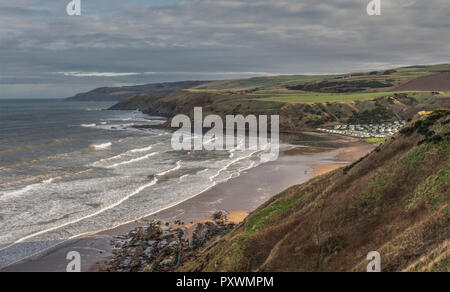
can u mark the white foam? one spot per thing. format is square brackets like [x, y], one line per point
[102, 146]
[137, 191]
[231, 153]
[133, 160]
[138, 150]
[202, 171]
[141, 149]
[22, 191]
[88, 125]
[93, 109]
[114, 127]
[170, 170]
[204, 180]
[183, 177]
[97, 163]
[48, 181]
[209, 141]
[238, 147]
[231, 163]
[146, 215]
[16, 193]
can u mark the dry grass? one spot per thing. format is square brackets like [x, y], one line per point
[332, 222]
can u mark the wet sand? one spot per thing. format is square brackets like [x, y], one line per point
[238, 197]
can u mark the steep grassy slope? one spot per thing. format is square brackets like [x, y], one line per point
[394, 201]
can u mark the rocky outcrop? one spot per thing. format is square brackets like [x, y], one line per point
[164, 246]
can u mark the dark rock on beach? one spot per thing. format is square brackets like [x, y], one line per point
[163, 246]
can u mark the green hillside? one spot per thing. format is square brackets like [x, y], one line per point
[298, 111]
[427, 68]
[264, 82]
[311, 97]
[394, 201]
[305, 102]
[383, 80]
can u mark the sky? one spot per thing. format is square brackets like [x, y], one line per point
[45, 53]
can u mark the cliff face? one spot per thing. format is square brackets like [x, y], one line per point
[119, 93]
[394, 201]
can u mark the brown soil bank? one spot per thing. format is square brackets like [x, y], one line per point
[396, 201]
[438, 82]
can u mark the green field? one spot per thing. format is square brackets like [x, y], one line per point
[309, 97]
[427, 68]
[264, 82]
[398, 77]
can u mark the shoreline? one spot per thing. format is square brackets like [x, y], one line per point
[238, 196]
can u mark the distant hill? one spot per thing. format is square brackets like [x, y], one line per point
[382, 80]
[395, 201]
[119, 93]
[364, 82]
[305, 102]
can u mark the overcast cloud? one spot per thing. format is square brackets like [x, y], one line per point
[46, 53]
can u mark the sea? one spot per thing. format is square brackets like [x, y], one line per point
[69, 169]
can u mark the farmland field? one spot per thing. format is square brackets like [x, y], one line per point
[309, 97]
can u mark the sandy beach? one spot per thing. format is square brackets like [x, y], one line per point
[237, 197]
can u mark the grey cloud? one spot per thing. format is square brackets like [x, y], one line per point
[209, 38]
